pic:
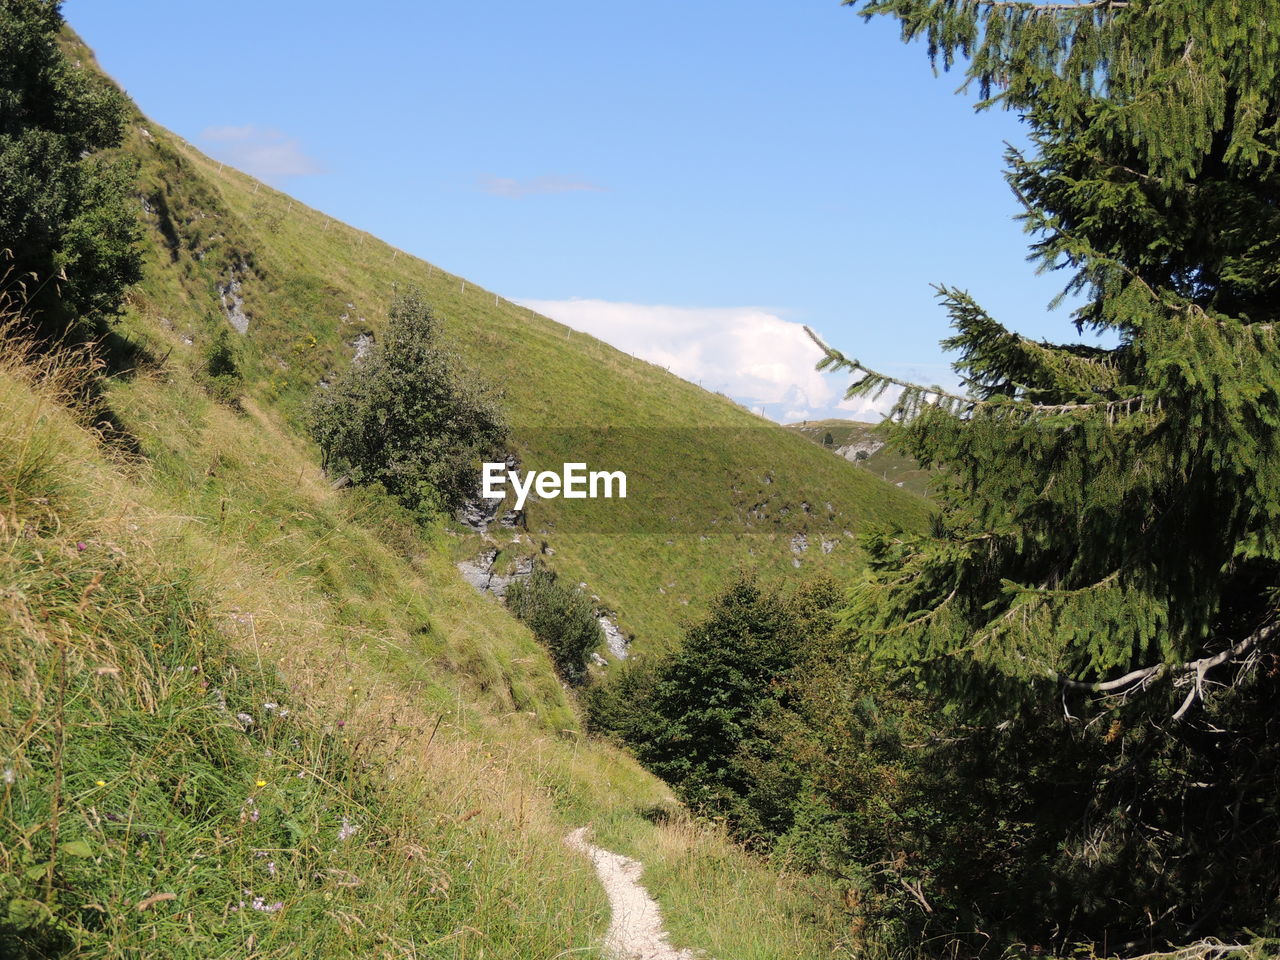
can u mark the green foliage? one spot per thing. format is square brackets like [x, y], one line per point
[408, 417]
[882, 460]
[67, 226]
[1108, 515]
[691, 715]
[561, 617]
[219, 370]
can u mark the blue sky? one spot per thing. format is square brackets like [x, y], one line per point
[689, 180]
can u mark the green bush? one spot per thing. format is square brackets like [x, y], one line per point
[408, 417]
[561, 617]
[690, 717]
[67, 220]
[220, 372]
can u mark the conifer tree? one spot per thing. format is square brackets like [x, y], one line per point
[1108, 516]
[1107, 540]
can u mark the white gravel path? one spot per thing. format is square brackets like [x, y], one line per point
[635, 930]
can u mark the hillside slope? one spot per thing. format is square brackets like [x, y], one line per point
[710, 485]
[859, 443]
[177, 574]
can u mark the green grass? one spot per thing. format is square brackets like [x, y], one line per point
[887, 464]
[418, 711]
[311, 285]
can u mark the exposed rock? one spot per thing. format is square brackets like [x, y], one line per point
[478, 513]
[799, 543]
[479, 572]
[233, 303]
[829, 545]
[361, 345]
[860, 449]
[613, 637]
[498, 584]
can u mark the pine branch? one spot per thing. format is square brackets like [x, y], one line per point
[1194, 669]
[1027, 6]
[835, 360]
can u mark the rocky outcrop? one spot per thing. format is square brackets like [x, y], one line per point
[232, 302]
[614, 638]
[480, 572]
[860, 449]
[477, 512]
[361, 345]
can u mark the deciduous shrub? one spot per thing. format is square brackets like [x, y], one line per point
[220, 372]
[561, 617]
[68, 226]
[407, 416]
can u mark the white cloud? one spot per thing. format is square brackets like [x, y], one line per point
[751, 354]
[551, 183]
[263, 152]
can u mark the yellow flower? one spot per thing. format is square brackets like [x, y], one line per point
[101, 783]
[262, 783]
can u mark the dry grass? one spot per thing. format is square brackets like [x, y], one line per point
[418, 711]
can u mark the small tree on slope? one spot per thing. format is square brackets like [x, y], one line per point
[68, 229]
[1108, 534]
[408, 416]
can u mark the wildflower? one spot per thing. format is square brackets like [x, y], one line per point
[257, 903]
[9, 776]
[82, 546]
[341, 724]
[271, 868]
[245, 720]
[269, 707]
[348, 829]
[101, 783]
[262, 783]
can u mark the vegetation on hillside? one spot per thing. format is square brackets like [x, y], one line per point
[203, 533]
[67, 229]
[560, 616]
[1096, 604]
[245, 713]
[884, 461]
[406, 417]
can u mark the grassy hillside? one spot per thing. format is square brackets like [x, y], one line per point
[710, 485]
[246, 714]
[887, 464]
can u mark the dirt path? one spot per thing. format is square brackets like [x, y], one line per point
[635, 930]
